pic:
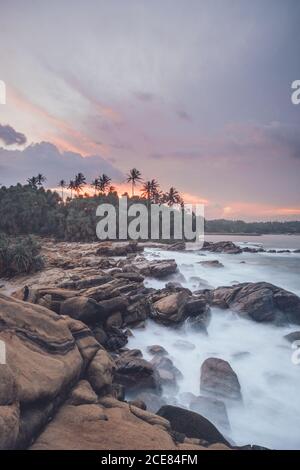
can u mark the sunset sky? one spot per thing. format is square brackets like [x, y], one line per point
[194, 93]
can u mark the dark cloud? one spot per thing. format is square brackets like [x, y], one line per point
[10, 136]
[45, 158]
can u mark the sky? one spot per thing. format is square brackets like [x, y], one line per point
[194, 93]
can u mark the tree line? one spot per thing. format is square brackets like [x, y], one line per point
[102, 185]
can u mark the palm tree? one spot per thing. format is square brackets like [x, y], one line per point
[134, 176]
[172, 197]
[62, 184]
[40, 179]
[150, 191]
[95, 185]
[104, 183]
[71, 187]
[112, 189]
[33, 182]
[79, 182]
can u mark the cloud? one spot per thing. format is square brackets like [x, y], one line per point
[10, 136]
[183, 115]
[144, 96]
[45, 158]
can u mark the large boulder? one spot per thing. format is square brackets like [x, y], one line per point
[84, 309]
[191, 424]
[260, 301]
[171, 308]
[219, 379]
[117, 426]
[43, 364]
[155, 268]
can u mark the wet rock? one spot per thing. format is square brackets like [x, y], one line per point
[212, 409]
[261, 301]
[168, 373]
[156, 349]
[155, 268]
[135, 373]
[212, 263]
[222, 247]
[153, 401]
[171, 308]
[116, 339]
[191, 424]
[294, 336]
[219, 379]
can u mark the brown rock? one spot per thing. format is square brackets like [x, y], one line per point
[219, 379]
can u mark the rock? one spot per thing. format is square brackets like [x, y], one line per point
[138, 404]
[41, 350]
[136, 312]
[118, 427]
[117, 304]
[114, 320]
[191, 424]
[116, 339]
[45, 362]
[135, 373]
[155, 268]
[168, 373]
[118, 248]
[261, 301]
[170, 309]
[82, 394]
[294, 336]
[83, 309]
[222, 247]
[9, 426]
[85, 283]
[100, 372]
[153, 401]
[219, 379]
[212, 263]
[84, 339]
[184, 345]
[100, 335]
[212, 409]
[134, 277]
[8, 386]
[156, 349]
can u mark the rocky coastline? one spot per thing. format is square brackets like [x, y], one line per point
[71, 382]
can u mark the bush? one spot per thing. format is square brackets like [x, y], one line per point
[19, 255]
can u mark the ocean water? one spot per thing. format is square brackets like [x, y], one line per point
[258, 353]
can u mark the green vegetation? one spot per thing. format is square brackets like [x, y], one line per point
[19, 255]
[30, 209]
